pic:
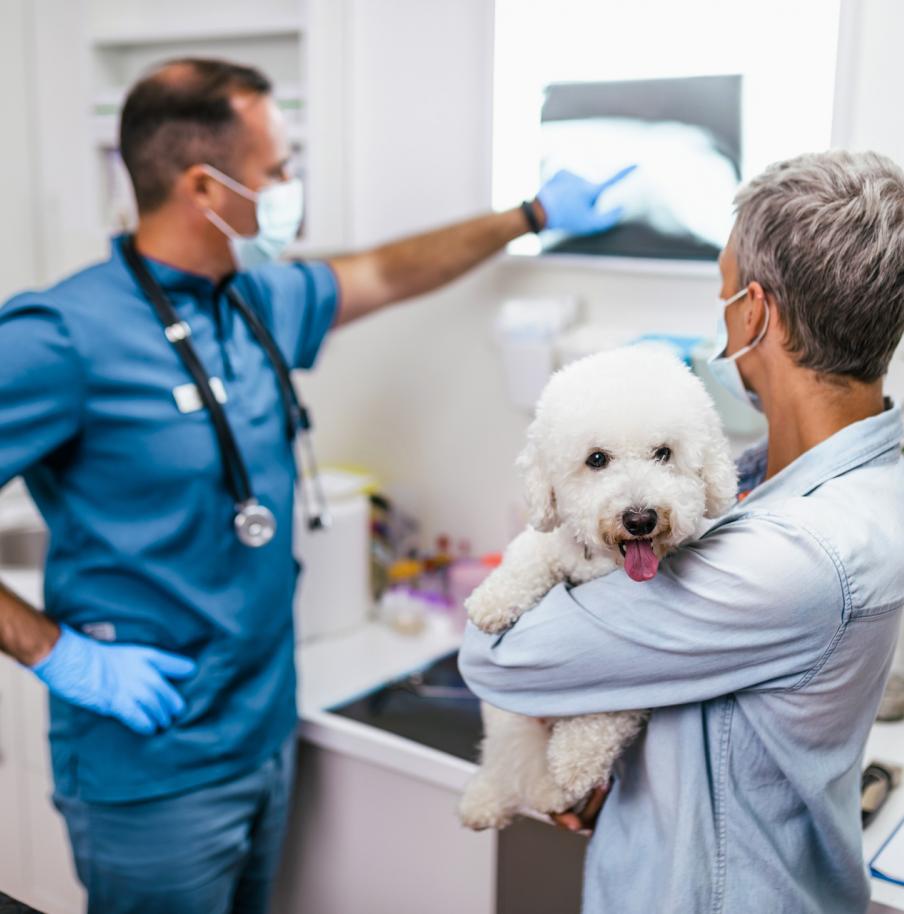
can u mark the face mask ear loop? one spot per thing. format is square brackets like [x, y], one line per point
[762, 334]
[754, 343]
[222, 224]
[736, 297]
[231, 183]
[759, 338]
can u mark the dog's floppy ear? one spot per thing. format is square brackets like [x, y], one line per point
[720, 477]
[540, 495]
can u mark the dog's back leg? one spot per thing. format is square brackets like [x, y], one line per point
[582, 750]
[513, 772]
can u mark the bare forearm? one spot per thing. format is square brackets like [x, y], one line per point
[422, 263]
[417, 265]
[25, 634]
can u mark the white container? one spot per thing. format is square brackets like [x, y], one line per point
[334, 592]
[526, 330]
[589, 339]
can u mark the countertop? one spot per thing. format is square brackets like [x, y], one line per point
[337, 669]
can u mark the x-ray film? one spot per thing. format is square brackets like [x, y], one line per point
[684, 135]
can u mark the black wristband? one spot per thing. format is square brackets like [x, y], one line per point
[527, 207]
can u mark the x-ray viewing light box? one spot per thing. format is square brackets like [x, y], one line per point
[699, 116]
[684, 136]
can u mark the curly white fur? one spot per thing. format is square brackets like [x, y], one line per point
[629, 404]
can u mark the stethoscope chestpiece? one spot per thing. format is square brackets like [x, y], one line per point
[255, 524]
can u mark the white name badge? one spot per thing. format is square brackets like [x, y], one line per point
[100, 631]
[188, 399]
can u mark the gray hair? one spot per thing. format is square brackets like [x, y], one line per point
[824, 234]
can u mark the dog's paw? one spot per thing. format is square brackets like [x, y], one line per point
[489, 616]
[575, 777]
[582, 750]
[550, 798]
[480, 808]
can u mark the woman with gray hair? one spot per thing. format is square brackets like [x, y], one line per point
[763, 648]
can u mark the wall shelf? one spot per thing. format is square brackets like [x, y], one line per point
[178, 35]
[641, 266]
[299, 44]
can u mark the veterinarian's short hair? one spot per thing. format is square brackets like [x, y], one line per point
[181, 114]
[824, 233]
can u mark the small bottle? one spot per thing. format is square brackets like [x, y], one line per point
[403, 610]
[465, 575]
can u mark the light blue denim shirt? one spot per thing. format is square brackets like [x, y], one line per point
[763, 649]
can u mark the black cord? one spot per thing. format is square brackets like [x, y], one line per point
[235, 472]
[297, 416]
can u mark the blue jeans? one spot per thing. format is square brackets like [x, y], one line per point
[211, 851]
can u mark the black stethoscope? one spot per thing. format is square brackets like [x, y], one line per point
[255, 524]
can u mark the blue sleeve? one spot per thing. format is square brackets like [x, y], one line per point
[299, 303]
[754, 605]
[42, 386]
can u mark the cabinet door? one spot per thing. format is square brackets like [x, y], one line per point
[53, 886]
[50, 883]
[12, 857]
[34, 718]
[363, 838]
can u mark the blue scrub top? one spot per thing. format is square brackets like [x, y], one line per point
[142, 545]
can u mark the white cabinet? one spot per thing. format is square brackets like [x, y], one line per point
[35, 860]
[367, 836]
[53, 886]
[12, 856]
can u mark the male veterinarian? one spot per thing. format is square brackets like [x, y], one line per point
[145, 402]
[763, 647]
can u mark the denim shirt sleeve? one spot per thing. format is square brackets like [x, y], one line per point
[755, 604]
[299, 301]
[42, 385]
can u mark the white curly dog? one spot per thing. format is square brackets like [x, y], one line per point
[625, 460]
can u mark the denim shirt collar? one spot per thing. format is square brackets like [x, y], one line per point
[853, 446]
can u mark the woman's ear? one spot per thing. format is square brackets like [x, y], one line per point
[756, 305]
[540, 495]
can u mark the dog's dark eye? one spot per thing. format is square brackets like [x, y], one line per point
[597, 460]
[662, 454]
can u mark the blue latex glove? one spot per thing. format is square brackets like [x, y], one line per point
[125, 681]
[569, 202]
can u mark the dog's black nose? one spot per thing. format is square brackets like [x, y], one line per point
[640, 522]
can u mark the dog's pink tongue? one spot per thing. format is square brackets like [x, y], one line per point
[640, 560]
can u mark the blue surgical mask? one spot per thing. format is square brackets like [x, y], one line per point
[724, 368]
[278, 208]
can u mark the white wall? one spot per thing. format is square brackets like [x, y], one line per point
[413, 393]
[416, 394]
[419, 113]
[868, 110]
[46, 180]
[870, 72]
[19, 226]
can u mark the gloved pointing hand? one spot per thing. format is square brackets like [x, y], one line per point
[125, 681]
[569, 202]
